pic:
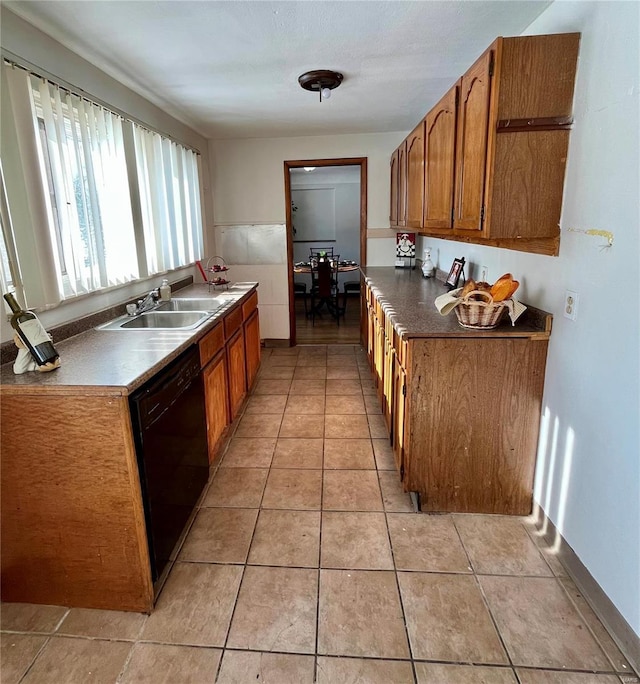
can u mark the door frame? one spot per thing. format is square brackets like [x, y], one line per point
[344, 161]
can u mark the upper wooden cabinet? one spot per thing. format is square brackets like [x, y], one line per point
[415, 176]
[471, 146]
[393, 197]
[402, 185]
[439, 166]
[494, 164]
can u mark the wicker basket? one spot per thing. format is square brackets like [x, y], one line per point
[479, 315]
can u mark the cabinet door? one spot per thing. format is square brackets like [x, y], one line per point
[399, 403]
[236, 372]
[471, 150]
[415, 177]
[393, 197]
[439, 166]
[252, 347]
[402, 184]
[217, 401]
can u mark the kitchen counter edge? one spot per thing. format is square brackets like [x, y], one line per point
[76, 349]
[407, 299]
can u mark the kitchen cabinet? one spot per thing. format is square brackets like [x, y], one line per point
[463, 407]
[393, 196]
[236, 372]
[471, 146]
[398, 193]
[216, 390]
[217, 401]
[511, 125]
[251, 338]
[415, 177]
[439, 166]
[73, 520]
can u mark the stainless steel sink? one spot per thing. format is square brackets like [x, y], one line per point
[209, 305]
[159, 320]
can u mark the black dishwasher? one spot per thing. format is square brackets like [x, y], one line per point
[170, 432]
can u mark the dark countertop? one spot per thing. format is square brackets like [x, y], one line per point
[117, 361]
[408, 300]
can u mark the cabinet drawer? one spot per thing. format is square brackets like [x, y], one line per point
[211, 344]
[232, 322]
[250, 306]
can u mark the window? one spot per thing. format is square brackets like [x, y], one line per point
[84, 172]
[169, 201]
[110, 221]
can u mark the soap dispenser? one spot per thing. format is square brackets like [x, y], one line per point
[428, 269]
[165, 291]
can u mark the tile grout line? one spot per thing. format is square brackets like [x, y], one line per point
[244, 567]
[395, 574]
[35, 658]
[315, 659]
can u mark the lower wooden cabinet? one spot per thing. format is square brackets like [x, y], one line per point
[237, 373]
[252, 347]
[216, 391]
[463, 414]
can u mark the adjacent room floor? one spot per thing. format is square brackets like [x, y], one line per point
[306, 563]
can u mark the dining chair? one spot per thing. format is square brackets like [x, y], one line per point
[325, 291]
[301, 288]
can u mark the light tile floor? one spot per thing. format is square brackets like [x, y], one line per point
[306, 563]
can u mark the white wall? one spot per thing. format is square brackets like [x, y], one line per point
[27, 43]
[248, 186]
[588, 474]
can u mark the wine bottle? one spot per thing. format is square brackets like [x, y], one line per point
[31, 332]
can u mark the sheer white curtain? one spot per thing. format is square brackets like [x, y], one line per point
[83, 163]
[169, 199]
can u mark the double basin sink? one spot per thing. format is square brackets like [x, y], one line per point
[176, 314]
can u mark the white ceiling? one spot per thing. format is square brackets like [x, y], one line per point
[230, 69]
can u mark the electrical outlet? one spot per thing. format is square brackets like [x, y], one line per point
[484, 274]
[571, 300]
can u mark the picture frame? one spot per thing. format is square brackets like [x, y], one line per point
[454, 274]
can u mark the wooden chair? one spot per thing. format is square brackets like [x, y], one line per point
[349, 286]
[301, 288]
[325, 289]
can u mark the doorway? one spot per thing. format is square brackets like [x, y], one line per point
[316, 201]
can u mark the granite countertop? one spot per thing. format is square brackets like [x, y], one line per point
[408, 300]
[119, 361]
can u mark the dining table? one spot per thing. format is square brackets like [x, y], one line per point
[304, 267]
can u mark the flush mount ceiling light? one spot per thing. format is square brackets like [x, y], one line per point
[309, 168]
[322, 81]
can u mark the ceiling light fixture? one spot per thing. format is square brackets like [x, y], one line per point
[322, 81]
[309, 168]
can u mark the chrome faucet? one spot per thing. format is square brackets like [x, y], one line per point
[149, 302]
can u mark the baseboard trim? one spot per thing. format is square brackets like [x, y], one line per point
[275, 342]
[618, 628]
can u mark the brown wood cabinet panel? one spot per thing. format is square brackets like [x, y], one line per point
[236, 373]
[399, 418]
[250, 306]
[402, 185]
[537, 76]
[415, 177]
[232, 321]
[471, 144]
[393, 197]
[70, 489]
[211, 344]
[530, 159]
[252, 347]
[216, 392]
[440, 144]
[474, 423]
